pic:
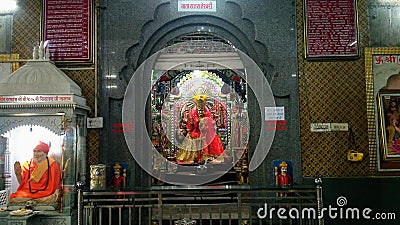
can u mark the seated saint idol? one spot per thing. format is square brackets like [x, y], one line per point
[38, 179]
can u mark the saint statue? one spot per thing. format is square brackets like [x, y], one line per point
[39, 178]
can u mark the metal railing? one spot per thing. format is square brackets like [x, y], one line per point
[223, 205]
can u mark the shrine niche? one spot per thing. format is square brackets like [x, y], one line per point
[39, 102]
[199, 121]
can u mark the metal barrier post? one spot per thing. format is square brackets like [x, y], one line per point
[79, 186]
[320, 205]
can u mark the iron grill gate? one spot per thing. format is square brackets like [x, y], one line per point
[204, 205]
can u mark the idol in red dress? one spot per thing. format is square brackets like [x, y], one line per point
[283, 178]
[202, 141]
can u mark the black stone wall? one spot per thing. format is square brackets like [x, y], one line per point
[131, 31]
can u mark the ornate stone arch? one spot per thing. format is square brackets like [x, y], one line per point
[53, 123]
[204, 24]
[156, 34]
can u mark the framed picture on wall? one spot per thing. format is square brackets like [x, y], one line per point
[383, 99]
[67, 31]
[389, 124]
[331, 29]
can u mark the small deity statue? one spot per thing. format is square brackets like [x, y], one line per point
[118, 180]
[283, 179]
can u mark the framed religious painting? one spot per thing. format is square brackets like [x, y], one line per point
[383, 99]
[389, 124]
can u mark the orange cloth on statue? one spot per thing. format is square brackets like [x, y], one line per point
[38, 189]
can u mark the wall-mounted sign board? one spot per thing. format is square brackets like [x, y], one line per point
[68, 30]
[330, 29]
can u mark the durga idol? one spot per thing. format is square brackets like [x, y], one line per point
[201, 141]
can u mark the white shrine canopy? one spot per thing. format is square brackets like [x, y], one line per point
[40, 82]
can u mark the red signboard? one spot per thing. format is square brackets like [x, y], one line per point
[67, 28]
[331, 28]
